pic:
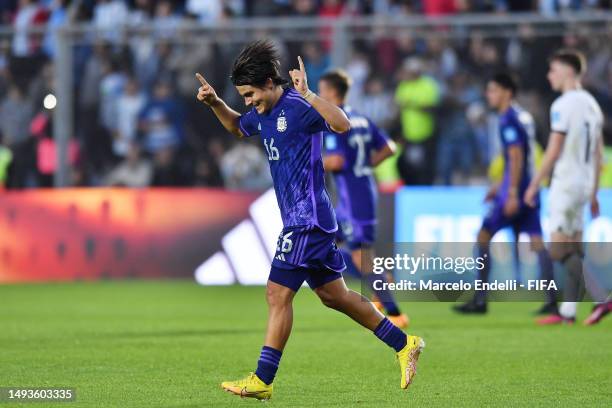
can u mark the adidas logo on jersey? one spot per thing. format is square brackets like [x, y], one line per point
[280, 257]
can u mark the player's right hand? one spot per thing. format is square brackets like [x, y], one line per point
[530, 196]
[490, 194]
[206, 93]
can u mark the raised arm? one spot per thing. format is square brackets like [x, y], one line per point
[333, 115]
[228, 117]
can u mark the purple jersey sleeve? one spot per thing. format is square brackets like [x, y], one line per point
[511, 136]
[379, 137]
[249, 123]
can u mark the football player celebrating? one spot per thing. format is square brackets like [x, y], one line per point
[291, 122]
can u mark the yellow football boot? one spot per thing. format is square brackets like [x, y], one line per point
[249, 387]
[408, 358]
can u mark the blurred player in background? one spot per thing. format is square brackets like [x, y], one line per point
[291, 123]
[350, 158]
[575, 151]
[516, 129]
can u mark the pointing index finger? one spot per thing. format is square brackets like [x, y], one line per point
[201, 79]
[301, 64]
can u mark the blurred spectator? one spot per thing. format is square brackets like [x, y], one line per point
[59, 15]
[6, 157]
[111, 111]
[166, 22]
[207, 172]
[41, 129]
[111, 88]
[141, 13]
[417, 96]
[443, 57]
[129, 105]
[161, 121]
[135, 171]
[331, 8]
[358, 69]
[315, 61]
[29, 14]
[439, 7]
[168, 169]
[378, 103]
[207, 11]
[456, 140]
[245, 167]
[304, 8]
[108, 15]
[15, 115]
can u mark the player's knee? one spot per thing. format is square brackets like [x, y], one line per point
[278, 297]
[484, 237]
[559, 250]
[536, 243]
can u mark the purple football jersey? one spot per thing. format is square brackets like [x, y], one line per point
[357, 193]
[514, 129]
[292, 133]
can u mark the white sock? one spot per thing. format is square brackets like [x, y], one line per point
[568, 309]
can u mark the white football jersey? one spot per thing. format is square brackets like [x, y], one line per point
[577, 115]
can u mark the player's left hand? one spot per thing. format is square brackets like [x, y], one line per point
[594, 207]
[530, 196]
[511, 206]
[299, 79]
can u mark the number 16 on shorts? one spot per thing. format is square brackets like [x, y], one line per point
[284, 245]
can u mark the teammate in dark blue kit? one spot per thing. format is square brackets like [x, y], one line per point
[516, 129]
[291, 123]
[350, 157]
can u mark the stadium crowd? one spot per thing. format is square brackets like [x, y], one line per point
[137, 122]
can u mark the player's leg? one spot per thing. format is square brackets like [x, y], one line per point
[478, 304]
[281, 289]
[565, 224]
[567, 250]
[362, 257]
[336, 295]
[530, 224]
[545, 264]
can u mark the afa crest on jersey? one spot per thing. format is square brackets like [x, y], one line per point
[281, 124]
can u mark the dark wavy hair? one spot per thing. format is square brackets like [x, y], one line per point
[256, 63]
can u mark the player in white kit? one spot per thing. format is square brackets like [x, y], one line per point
[575, 151]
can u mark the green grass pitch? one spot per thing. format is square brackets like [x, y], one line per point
[170, 343]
